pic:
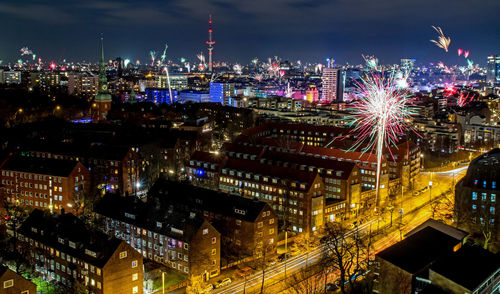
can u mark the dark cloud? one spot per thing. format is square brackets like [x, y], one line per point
[295, 29]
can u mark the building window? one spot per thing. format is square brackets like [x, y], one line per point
[483, 196]
[474, 206]
[123, 254]
[205, 231]
[214, 251]
[135, 290]
[135, 277]
[493, 197]
[134, 263]
[259, 225]
[8, 284]
[26, 292]
[474, 195]
[214, 240]
[492, 210]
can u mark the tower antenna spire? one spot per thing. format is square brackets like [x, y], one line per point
[210, 43]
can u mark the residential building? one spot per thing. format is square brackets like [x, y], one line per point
[194, 96]
[476, 198]
[160, 95]
[11, 77]
[63, 250]
[45, 183]
[45, 81]
[83, 85]
[248, 227]
[13, 283]
[177, 81]
[221, 93]
[185, 242]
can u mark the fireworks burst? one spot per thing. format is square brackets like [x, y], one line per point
[258, 77]
[460, 51]
[443, 42]
[371, 62]
[464, 100]
[380, 116]
[152, 53]
[466, 54]
[237, 69]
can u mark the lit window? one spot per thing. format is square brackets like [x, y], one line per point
[8, 284]
[123, 254]
[214, 251]
[474, 195]
[474, 206]
[135, 290]
[214, 240]
[134, 263]
[493, 197]
[135, 277]
[205, 231]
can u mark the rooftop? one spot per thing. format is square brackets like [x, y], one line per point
[44, 166]
[417, 252]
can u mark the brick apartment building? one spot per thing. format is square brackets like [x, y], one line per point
[185, 242]
[62, 249]
[248, 227]
[45, 183]
[13, 283]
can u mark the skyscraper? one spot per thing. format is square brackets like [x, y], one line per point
[102, 101]
[333, 84]
[493, 74]
[221, 92]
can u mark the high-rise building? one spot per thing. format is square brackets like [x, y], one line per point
[82, 85]
[102, 101]
[44, 80]
[221, 92]
[178, 82]
[11, 77]
[333, 84]
[159, 96]
[493, 74]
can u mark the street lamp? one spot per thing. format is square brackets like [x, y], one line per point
[430, 198]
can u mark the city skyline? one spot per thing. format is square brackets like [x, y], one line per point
[299, 30]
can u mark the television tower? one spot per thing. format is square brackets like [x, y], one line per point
[210, 43]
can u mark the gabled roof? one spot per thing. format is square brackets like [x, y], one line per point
[44, 166]
[417, 252]
[183, 196]
[67, 227]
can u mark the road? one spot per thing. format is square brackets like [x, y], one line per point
[416, 210]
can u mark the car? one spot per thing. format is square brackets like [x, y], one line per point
[222, 283]
[208, 288]
[331, 287]
[245, 271]
[282, 257]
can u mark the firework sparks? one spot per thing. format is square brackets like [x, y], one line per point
[371, 62]
[466, 54]
[463, 100]
[237, 69]
[443, 42]
[258, 77]
[152, 53]
[380, 116]
[449, 89]
[460, 51]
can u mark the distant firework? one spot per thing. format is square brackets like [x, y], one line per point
[464, 100]
[460, 51]
[449, 89]
[466, 54]
[380, 116]
[443, 42]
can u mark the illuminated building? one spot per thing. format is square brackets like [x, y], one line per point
[178, 82]
[62, 249]
[312, 94]
[45, 183]
[221, 93]
[82, 85]
[45, 80]
[333, 84]
[184, 242]
[194, 96]
[493, 70]
[159, 96]
[102, 101]
[11, 77]
[476, 197]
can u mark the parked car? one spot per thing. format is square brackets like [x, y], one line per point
[222, 283]
[281, 258]
[245, 271]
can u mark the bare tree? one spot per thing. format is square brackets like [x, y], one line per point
[346, 252]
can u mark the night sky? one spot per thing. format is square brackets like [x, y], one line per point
[292, 29]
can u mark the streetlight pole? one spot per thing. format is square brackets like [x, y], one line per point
[430, 198]
[162, 282]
